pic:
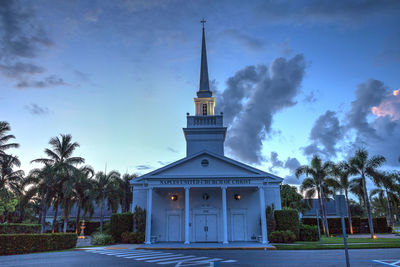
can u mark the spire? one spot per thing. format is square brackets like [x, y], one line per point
[204, 88]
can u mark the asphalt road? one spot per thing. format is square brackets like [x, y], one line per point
[100, 258]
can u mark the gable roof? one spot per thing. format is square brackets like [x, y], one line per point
[220, 167]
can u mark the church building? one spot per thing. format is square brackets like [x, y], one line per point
[206, 196]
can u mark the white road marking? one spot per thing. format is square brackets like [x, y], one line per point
[137, 257]
[229, 261]
[195, 260]
[395, 263]
[172, 258]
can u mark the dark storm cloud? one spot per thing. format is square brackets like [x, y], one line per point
[380, 135]
[275, 161]
[35, 109]
[325, 134]
[252, 97]
[316, 11]
[22, 39]
[50, 81]
[368, 95]
[243, 39]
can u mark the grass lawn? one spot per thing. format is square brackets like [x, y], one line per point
[337, 243]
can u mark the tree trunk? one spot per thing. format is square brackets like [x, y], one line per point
[55, 217]
[324, 213]
[78, 217]
[66, 215]
[390, 211]
[43, 218]
[101, 215]
[349, 212]
[319, 209]
[368, 206]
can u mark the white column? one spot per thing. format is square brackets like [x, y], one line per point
[187, 209]
[263, 218]
[148, 215]
[224, 216]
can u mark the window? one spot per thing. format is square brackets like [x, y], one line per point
[204, 163]
[204, 109]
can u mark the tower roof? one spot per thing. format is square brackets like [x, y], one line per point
[204, 88]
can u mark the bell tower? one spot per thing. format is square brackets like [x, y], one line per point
[205, 130]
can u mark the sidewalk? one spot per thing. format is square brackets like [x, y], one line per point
[208, 246]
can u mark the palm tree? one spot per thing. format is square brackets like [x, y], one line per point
[318, 171]
[356, 187]
[82, 187]
[60, 157]
[386, 181]
[124, 191]
[104, 188]
[361, 165]
[341, 172]
[9, 178]
[43, 181]
[4, 137]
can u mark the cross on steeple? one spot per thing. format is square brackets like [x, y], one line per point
[203, 21]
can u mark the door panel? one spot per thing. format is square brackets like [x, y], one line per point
[211, 223]
[238, 227]
[174, 223]
[200, 228]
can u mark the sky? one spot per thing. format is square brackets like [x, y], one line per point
[293, 78]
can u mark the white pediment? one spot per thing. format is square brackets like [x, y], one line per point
[207, 164]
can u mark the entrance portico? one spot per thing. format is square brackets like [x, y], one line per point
[206, 208]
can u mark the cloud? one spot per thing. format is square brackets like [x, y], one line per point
[374, 116]
[22, 39]
[251, 99]
[85, 77]
[50, 81]
[325, 134]
[243, 39]
[276, 163]
[143, 167]
[93, 15]
[316, 11]
[172, 150]
[310, 98]
[290, 163]
[37, 110]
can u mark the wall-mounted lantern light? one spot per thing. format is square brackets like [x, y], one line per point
[237, 196]
[174, 197]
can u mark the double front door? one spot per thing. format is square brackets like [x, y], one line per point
[206, 228]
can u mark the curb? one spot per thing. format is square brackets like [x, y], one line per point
[210, 248]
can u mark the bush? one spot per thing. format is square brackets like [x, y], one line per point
[128, 237]
[102, 239]
[20, 228]
[282, 237]
[91, 227]
[139, 218]
[27, 243]
[119, 223]
[269, 213]
[287, 219]
[308, 233]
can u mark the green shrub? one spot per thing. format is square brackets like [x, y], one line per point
[102, 239]
[287, 219]
[119, 223]
[282, 237]
[20, 228]
[28, 243]
[308, 233]
[139, 218]
[269, 213]
[140, 237]
[128, 237]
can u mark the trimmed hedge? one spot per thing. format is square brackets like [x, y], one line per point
[360, 225]
[282, 237]
[20, 228]
[287, 219]
[11, 244]
[132, 238]
[119, 223]
[308, 233]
